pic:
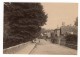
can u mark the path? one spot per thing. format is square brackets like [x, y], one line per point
[44, 47]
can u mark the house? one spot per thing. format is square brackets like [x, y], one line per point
[68, 30]
[58, 35]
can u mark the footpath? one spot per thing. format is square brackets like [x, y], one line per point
[20, 49]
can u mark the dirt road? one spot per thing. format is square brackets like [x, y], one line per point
[43, 47]
[46, 47]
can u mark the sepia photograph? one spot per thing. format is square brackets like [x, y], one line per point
[38, 28]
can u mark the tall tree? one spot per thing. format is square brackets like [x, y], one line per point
[24, 20]
[76, 22]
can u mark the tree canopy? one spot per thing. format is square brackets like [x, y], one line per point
[23, 20]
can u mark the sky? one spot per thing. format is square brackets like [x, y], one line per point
[60, 12]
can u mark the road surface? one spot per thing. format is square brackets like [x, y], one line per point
[43, 47]
[46, 47]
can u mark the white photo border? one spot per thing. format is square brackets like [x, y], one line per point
[24, 55]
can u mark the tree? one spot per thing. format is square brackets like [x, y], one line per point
[24, 20]
[76, 22]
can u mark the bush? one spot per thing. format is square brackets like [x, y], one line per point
[71, 41]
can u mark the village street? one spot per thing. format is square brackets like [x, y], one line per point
[40, 28]
[43, 47]
[46, 47]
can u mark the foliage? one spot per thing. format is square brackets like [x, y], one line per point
[71, 41]
[71, 37]
[23, 20]
[76, 22]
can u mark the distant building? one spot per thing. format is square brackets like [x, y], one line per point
[68, 30]
[59, 34]
[63, 30]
